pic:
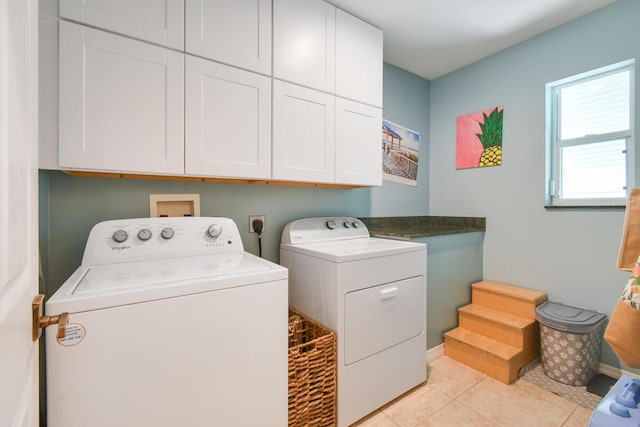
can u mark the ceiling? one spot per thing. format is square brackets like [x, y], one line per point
[431, 38]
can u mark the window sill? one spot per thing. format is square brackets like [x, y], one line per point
[585, 207]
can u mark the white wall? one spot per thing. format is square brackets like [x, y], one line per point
[570, 254]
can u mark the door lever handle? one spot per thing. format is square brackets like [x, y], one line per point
[38, 321]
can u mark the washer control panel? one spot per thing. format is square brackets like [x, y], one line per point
[147, 238]
[328, 228]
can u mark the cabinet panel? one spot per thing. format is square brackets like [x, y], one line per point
[231, 31]
[358, 60]
[228, 121]
[121, 103]
[304, 43]
[160, 22]
[303, 134]
[358, 143]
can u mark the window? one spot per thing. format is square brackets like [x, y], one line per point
[590, 137]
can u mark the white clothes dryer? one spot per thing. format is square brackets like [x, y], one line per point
[171, 323]
[372, 293]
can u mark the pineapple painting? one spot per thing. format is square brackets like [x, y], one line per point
[479, 139]
[491, 139]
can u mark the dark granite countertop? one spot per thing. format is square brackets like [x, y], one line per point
[408, 227]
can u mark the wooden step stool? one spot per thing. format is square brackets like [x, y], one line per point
[498, 333]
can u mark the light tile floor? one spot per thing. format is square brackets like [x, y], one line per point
[456, 395]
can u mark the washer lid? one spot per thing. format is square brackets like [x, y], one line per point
[106, 279]
[354, 249]
[109, 285]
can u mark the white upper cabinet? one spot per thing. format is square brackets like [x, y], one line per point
[303, 134]
[317, 136]
[228, 121]
[358, 60]
[234, 32]
[155, 21]
[286, 90]
[358, 143]
[121, 103]
[304, 43]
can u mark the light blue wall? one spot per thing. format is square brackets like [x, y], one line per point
[454, 262]
[406, 102]
[75, 204]
[570, 254]
[70, 206]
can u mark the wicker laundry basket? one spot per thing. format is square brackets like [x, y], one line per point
[312, 373]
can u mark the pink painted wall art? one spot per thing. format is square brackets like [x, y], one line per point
[479, 139]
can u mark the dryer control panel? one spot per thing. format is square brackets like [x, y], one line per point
[139, 239]
[308, 230]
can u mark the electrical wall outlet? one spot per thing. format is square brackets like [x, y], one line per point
[262, 218]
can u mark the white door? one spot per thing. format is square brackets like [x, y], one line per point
[121, 103]
[228, 121]
[304, 38]
[234, 32]
[303, 134]
[160, 22]
[358, 146]
[18, 211]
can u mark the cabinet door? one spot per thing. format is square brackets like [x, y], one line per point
[358, 60]
[121, 103]
[160, 22]
[303, 134]
[358, 143]
[228, 121]
[231, 31]
[304, 43]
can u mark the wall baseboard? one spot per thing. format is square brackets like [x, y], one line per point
[435, 352]
[611, 371]
[614, 372]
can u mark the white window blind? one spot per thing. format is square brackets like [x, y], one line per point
[596, 106]
[590, 137]
[595, 170]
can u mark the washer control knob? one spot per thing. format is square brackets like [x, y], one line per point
[346, 224]
[120, 236]
[144, 234]
[331, 224]
[167, 233]
[214, 230]
[355, 224]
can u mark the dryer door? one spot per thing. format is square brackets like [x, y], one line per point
[380, 317]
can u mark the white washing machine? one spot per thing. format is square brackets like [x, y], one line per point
[372, 293]
[171, 323]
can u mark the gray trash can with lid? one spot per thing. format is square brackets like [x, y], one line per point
[570, 342]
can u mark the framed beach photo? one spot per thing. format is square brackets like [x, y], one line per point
[400, 153]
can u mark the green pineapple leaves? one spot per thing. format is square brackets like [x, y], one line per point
[491, 129]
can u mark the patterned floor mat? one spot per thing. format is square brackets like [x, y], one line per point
[533, 373]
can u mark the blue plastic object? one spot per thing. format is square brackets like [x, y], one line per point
[619, 408]
[631, 395]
